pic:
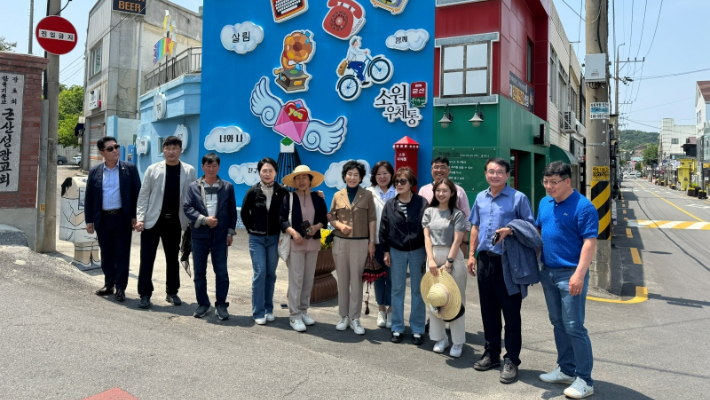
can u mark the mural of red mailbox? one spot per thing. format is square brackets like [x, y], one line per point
[406, 154]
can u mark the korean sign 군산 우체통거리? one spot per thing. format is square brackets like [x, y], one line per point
[11, 100]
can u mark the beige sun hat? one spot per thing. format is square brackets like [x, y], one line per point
[441, 295]
[290, 179]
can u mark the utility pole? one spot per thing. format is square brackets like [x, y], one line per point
[598, 143]
[32, 25]
[52, 90]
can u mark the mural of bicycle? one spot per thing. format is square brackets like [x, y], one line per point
[359, 70]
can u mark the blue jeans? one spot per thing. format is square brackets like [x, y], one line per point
[264, 251]
[359, 68]
[417, 316]
[574, 349]
[383, 286]
[201, 248]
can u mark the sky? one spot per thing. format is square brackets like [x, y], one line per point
[677, 47]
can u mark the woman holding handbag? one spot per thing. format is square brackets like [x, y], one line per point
[382, 189]
[354, 218]
[402, 240]
[303, 214]
[444, 227]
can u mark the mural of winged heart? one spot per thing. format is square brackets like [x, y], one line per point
[293, 120]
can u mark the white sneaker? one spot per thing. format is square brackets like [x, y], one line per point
[308, 320]
[388, 325]
[298, 325]
[357, 327]
[343, 324]
[260, 321]
[381, 319]
[456, 350]
[557, 376]
[579, 389]
[441, 345]
[270, 317]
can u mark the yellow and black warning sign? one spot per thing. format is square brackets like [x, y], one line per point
[600, 173]
[601, 191]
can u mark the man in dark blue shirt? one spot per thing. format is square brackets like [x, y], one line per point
[569, 226]
[495, 208]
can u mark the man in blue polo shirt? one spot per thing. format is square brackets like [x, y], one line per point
[569, 227]
[493, 210]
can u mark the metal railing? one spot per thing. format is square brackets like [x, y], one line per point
[187, 62]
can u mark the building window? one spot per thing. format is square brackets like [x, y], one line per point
[674, 141]
[160, 145]
[553, 77]
[529, 70]
[95, 61]
[465, 70]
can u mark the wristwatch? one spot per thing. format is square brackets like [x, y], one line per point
[450, 260]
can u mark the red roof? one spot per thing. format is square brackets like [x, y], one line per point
[704, 87]
[407, 140]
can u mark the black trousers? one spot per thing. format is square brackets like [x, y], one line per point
[115, 244]
[169, 231]
[494, 299]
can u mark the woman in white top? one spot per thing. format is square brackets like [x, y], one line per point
[382, 190]
[444, 227]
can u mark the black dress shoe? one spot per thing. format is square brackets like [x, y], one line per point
[418, 340]
[105, 291]
[120, 295]
[396, 337]
[145, 302]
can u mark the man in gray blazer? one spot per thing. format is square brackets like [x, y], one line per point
[161, 217]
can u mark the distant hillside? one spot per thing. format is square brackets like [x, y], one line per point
[630, 139]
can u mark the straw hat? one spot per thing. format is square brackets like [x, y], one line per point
[290, 179]
[441, 295]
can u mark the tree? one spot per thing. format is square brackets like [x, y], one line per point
[6, 46]
[650, 155]
[639, 167]
[71, 106]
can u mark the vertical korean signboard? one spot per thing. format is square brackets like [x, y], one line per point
[11, 100]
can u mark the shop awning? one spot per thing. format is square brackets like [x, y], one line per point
[560, 154]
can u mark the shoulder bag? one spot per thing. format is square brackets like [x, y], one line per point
[285, 238]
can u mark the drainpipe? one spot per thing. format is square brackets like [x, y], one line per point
[140, 69]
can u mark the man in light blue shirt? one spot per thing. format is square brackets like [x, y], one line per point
[495, 208]
[111, 188]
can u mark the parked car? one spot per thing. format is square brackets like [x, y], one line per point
[76, 160]
[61, 160]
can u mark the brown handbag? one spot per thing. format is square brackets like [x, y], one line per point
[342, 67]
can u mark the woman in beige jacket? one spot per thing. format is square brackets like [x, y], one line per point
[354, 218]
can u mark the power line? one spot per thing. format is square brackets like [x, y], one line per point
[643, 25]
[664, 104]
[676, 74]
[575, 12]
[656, 29]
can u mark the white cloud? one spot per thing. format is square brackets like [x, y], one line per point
[233, 36]
[416, 39]
[227, 139]
[244, 173]
[334, 175]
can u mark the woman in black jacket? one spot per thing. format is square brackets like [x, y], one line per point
[260, 215]
[303, 214]
[402, 240]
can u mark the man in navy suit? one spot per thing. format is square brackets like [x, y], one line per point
[110, 209]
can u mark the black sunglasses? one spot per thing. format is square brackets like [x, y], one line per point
[401, 182]
[112, 148]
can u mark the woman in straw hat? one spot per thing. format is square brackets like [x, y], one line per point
[444, 228]
[308, 214]
[354, 218]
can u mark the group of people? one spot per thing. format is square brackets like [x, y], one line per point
[433, 236]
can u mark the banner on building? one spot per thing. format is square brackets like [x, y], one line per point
[522, 93]
[11, 100]
[130, 6]
[599, 111]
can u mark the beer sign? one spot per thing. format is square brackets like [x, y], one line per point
[130, 6]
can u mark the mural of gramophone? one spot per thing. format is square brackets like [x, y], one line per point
[72, 225]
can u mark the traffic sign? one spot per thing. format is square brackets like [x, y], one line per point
[56, 35]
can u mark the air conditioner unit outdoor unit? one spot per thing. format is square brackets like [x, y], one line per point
[568, 123]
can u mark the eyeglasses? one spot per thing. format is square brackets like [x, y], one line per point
[493, 172]
[401, 182]
[440, 168]
[112, 148]
[550, 183]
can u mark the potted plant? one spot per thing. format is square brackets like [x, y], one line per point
[325, 287]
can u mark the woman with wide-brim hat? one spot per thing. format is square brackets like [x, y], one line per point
[308, 215]
[444, 227]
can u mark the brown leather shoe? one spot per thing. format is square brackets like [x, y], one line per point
[120, 295]
[105, 291]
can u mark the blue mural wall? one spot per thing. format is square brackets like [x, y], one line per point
[243, 106]
[182, 101]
